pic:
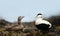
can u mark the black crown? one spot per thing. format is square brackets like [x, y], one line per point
[39, 14]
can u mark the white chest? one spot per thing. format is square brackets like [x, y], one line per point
[39, 21]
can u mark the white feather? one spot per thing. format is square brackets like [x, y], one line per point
[40, 20]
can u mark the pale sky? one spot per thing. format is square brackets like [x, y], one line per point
[11, 9]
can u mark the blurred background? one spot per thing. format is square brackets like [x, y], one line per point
[17, 17]
[11, 9]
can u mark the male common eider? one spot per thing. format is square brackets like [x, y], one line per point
[42, 24]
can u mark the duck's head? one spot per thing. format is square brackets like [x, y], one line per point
[39, 15]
